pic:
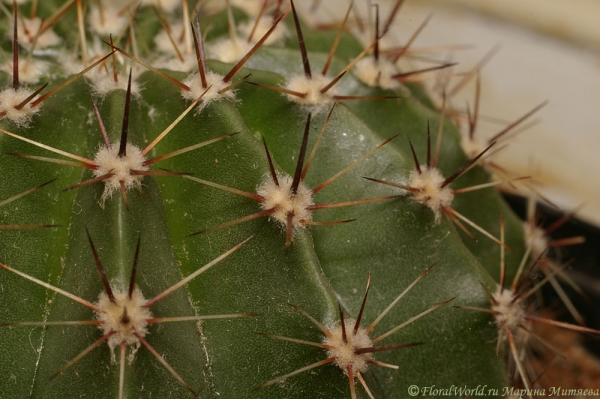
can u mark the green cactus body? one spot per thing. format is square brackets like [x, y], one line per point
[394, 240]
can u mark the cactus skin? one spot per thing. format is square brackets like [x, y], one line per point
[394, 240]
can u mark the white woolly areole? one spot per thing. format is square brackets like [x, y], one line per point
[163, 43]
[472, 146]
[29, 72]
[250, 7]
[28, 28]
[377, 73]
[284, 202]
[264, 24]
[109, 161]
[72, 64]
[103, 83]
[510, 314]
[312, 88]
[537, 238]
[9, 99]
[173, 63]
[227, 50]
[345, 352]
[167, 5]
[216, 84]
[430, 191]
[126, 317]
[109, 20]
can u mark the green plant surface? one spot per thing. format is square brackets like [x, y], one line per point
[393, 241]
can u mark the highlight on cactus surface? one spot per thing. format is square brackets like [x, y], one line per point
[287, 199]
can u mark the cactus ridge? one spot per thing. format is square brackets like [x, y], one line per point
[124, 315]
[250, 83]
[286, 199]
[349, 346]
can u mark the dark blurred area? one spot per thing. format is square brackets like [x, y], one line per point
[584, 268]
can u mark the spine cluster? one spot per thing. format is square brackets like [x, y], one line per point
[289, 118]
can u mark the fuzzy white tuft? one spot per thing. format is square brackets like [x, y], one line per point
[249, 7]
[430, 191]
[103, 83]
[281, 198]
[377, 73]
[345, 352]
[166, 5]
[537, 238]
[510, 314]
[173, 63]
[101, 80]
[472, 146]
[312, 88]
[264, 24]
[109, 20]
[28, 28]
[227, 50]
[126, 318]
[9, 99]
[29, 72]
[71, 63]
[171, 60]
[163, 42]
[109, 161]
[216, 84]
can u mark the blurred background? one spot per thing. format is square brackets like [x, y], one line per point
[548, 50]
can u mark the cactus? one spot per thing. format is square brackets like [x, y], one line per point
[248, 287]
